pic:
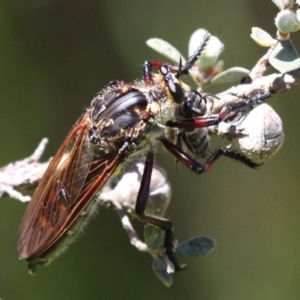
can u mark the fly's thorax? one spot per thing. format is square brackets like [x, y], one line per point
[117, 113]
[125, 113]
[124, 104]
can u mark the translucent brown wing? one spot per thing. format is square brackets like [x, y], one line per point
[71, 181]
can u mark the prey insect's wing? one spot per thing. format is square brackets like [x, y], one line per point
[71, 181]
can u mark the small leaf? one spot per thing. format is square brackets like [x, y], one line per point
[261, 37]
[211, 52]
[285, 58]
[154, 237]
[165, 49]
[195, 247]
[229, 75]
[160, 269]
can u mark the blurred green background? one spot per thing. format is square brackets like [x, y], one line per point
[54, 56]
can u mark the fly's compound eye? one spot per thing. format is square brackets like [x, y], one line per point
[194, 105]
[173, 84]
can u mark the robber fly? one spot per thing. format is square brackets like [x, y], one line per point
[125, 122]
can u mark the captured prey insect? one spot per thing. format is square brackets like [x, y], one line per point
[125, 122]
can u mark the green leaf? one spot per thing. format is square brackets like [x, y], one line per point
[160, 269]
[165, 49]
[154, 237]
[229, 75]
[261, 37]
[197, 246]
[285, 58]
[211, 52]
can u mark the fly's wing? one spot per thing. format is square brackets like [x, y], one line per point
[69, 184]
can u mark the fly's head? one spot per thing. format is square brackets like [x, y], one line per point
[173, 97]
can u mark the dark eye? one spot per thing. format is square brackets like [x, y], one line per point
[176, 91]
[194, 105]
[173, 84]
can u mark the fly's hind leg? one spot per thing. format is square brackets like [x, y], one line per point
[163, 224]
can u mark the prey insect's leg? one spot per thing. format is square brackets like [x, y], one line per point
[250, 103]
[195, 166]
[163, 224]
[199, 122]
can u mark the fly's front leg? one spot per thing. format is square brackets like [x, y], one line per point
[147, 73]
[149, 65]
[199, 122]
[163, 224]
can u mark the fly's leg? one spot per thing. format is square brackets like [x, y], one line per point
[163, 224]
[179, 70]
